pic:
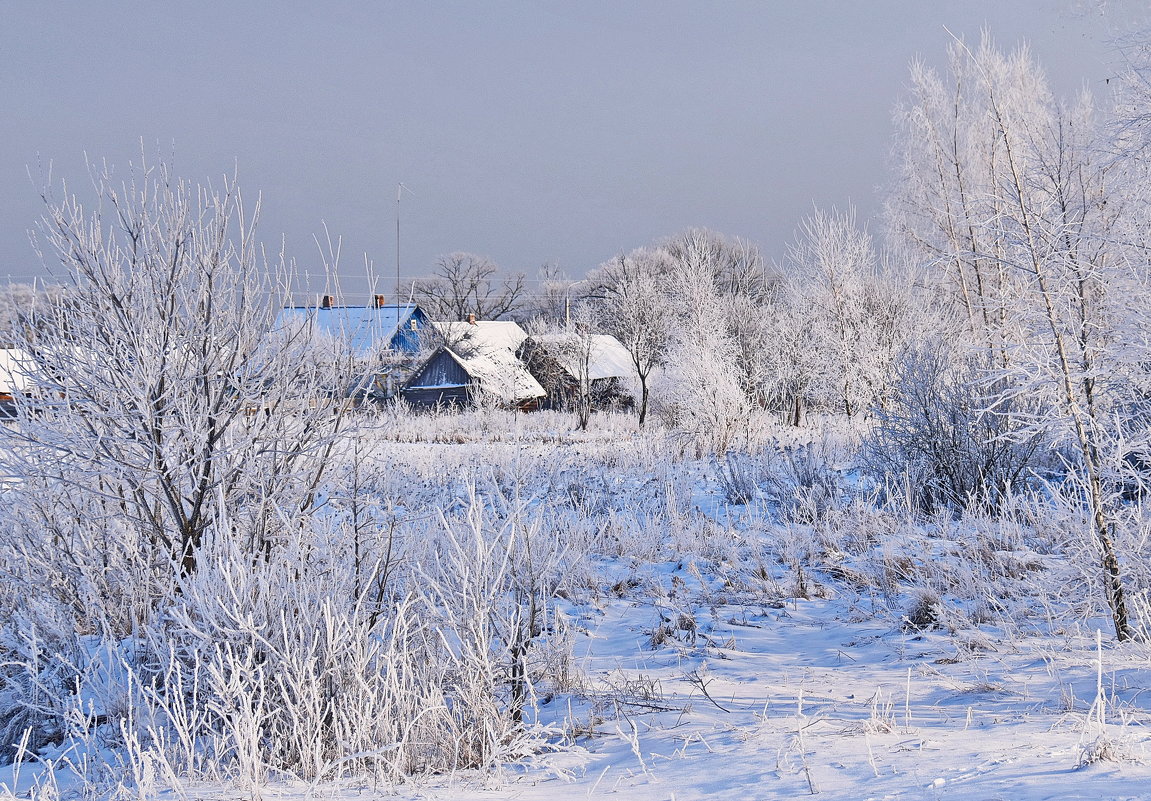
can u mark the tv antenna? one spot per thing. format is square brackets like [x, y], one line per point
[400, 189]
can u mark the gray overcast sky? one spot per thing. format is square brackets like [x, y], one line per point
[529, 132]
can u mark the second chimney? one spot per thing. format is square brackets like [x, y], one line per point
[472, 319]
[326, 302]
[378, 300]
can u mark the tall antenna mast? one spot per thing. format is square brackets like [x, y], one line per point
[400, 189]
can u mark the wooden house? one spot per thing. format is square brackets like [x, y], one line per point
[570, 364]
[476, 360]
[364, 330]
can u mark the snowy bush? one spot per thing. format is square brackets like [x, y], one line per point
[285, 670]
[948, 438]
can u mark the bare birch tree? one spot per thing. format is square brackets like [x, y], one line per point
[1013, 200]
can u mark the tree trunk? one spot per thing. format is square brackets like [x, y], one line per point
[1109, 560]
[643, 398]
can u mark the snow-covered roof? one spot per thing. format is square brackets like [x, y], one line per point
[498, 372]
[607, 358]
[15, 366]
[364, 329]
[482, 334]
[486, 350]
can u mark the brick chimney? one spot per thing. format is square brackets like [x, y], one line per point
[472, 319]
[378, 301]
[326, 301]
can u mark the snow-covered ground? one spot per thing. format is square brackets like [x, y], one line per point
[705, 650]
[817, 696]
[826, 696]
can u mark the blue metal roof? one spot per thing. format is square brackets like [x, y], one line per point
[365, 329]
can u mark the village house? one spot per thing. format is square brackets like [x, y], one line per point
[15, 366]
[477, 360]
[378, 341]
[570, 365]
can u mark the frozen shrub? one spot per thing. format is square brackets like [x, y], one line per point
[804, 481]
[38, 675]
[304, 661]
[950, 437]
[923, 612]
[738, 477]
[1105, 749]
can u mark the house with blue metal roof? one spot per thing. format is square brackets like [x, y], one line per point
[381, 337]
[365, 331]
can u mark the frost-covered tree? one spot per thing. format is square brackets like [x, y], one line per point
[853, 318]
[159, 400]
[735, 264]
[946, 205]
[700, 391]
[1007, 193]
[653, 301]
[631, 299]
[753, 327]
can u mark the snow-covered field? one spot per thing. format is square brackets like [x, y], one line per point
[808, 699]
[775, 649]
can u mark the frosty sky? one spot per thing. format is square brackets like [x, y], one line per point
[529, 132]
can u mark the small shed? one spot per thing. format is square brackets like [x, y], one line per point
[15, 378]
